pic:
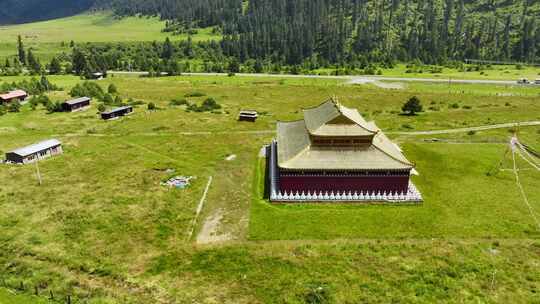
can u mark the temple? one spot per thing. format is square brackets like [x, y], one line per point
[334, 154]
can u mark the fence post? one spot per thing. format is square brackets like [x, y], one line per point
[36, 291]
[68, 299]
[51, 295]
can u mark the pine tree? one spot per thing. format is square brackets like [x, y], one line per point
[22, 53]
[55, 67]
[80, 65]
[33, 63]
[168, 49]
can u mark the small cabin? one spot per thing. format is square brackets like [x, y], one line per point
[77, 104]
[18, 95]
[35, 152]
[118, 112]
[250, 116]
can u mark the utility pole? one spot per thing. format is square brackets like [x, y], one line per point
[37, 171]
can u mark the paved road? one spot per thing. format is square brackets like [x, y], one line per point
[352, 79]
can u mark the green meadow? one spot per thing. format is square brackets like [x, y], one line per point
[101, 228]
[492, 72]
[51, 38]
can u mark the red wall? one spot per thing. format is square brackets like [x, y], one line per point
[343, 183]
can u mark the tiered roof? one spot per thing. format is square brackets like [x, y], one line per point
[331, 119]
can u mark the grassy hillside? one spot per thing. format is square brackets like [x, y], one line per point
[92, 27]
[49, 38]
[102, 229]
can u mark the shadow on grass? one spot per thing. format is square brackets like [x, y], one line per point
[266, 193]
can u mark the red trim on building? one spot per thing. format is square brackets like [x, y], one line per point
[344, 183]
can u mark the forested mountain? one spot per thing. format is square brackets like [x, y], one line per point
[20, 11]
[201, 13]
[335, 31]
[315, 33]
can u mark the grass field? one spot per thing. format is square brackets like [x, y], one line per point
[495, 72]
[50, 38]
[492, 72]
[8, 297]
[103, 230]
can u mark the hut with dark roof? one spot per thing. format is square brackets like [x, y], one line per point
[334, 154]
[77, 104]
[118, 112]
[248, 115]
[35, 152]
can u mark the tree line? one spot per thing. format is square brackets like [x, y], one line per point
[319, 32]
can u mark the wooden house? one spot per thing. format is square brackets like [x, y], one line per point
[118, 112]
[19, 95]
[35, 152]
[250, 116]
[333, 154]
[77, 104]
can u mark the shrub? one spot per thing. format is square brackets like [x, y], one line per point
[317, 295]
[39, 100]
[179, 102]
[407, 126]
[467, 107]
[87, 89]
[454, 106]
[53, 107]
[101, 108]
[195, 94]
[471, 133]
[112, 89]
[32, 86]
[14, 107]
[412, 106]
[108, 99]
[208, 105]
[151, 106]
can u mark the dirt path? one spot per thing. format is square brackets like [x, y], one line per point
[478, 128]
[199, 209]
[210, 231]
[269, 132]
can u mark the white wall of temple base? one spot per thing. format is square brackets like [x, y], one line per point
[411, 195]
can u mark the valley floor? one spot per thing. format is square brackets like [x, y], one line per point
[102, 229]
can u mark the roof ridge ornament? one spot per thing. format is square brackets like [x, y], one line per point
[336, 102]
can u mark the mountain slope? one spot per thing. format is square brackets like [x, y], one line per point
[21, 11]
